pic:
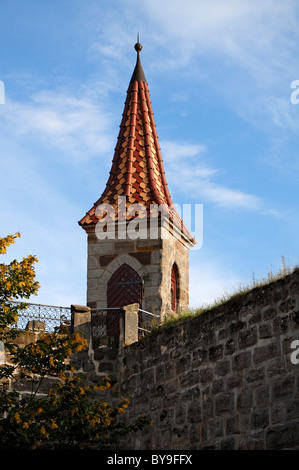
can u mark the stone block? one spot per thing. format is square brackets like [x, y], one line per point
[218, 386]
[283, 388]
[237, 326]
[247, 443]
[292, 409]
[216, 352]
[230, 347]
[189, 379]
[261, 396]
[92, 283]
[232, 425]
[215, 428]
[241, 361]
[228, 443]
[224, 403]
[36, 326]
[194, 412]
[266, 352]
[206, 375]
[131, 324]
[144, 258]
[255, 375]
[104, 260]
[183, 364]
[288, 305]
[265, 331]
[124, 246]
[245, 400]
[260, 418]
[179, 437]
[276, 367]
[278, 413]
[81, 320]
[248, 337]
[256, 318]
[235, 381]
[222, 368]
[280, 325]
[268, 313]
[106, 367]
[282, 437]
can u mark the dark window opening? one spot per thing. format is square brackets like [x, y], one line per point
[174, 287]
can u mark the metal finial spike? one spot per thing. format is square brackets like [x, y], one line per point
[138, 46]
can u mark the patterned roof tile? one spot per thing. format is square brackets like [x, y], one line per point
[137, 168]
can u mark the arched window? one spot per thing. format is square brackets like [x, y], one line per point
[124, 288]
[175, 288]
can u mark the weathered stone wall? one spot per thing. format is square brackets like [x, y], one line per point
[174, 251]
[106, 256]
[221, 380]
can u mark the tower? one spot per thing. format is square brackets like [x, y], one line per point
[138, 246]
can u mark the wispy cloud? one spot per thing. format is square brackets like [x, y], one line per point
[245, 52]
[47, 218]
[245, 32]
[74, 124]
[196, 178]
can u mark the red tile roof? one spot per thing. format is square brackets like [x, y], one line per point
[137, 170]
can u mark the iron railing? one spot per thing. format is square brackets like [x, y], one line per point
[146, 323]
[102, 323]
[51, 315]
[99, 320]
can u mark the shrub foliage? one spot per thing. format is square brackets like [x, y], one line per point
[70, 415]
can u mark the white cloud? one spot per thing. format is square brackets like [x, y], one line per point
[73, 124]
[177, 151]
[196, 178]
[245, 32]
[245, 51]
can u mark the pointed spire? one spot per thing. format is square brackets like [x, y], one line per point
[138, 74]
[137, 170]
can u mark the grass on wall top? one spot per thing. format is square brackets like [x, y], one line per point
[283, 271]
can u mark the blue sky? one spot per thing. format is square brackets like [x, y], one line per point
[219, 75]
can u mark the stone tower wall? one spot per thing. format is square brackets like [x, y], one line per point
[152, 259]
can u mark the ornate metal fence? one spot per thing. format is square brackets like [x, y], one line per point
[98, 322]
[103, 321]
[51, 315]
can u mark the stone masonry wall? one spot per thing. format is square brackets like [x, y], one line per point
[221, 380]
